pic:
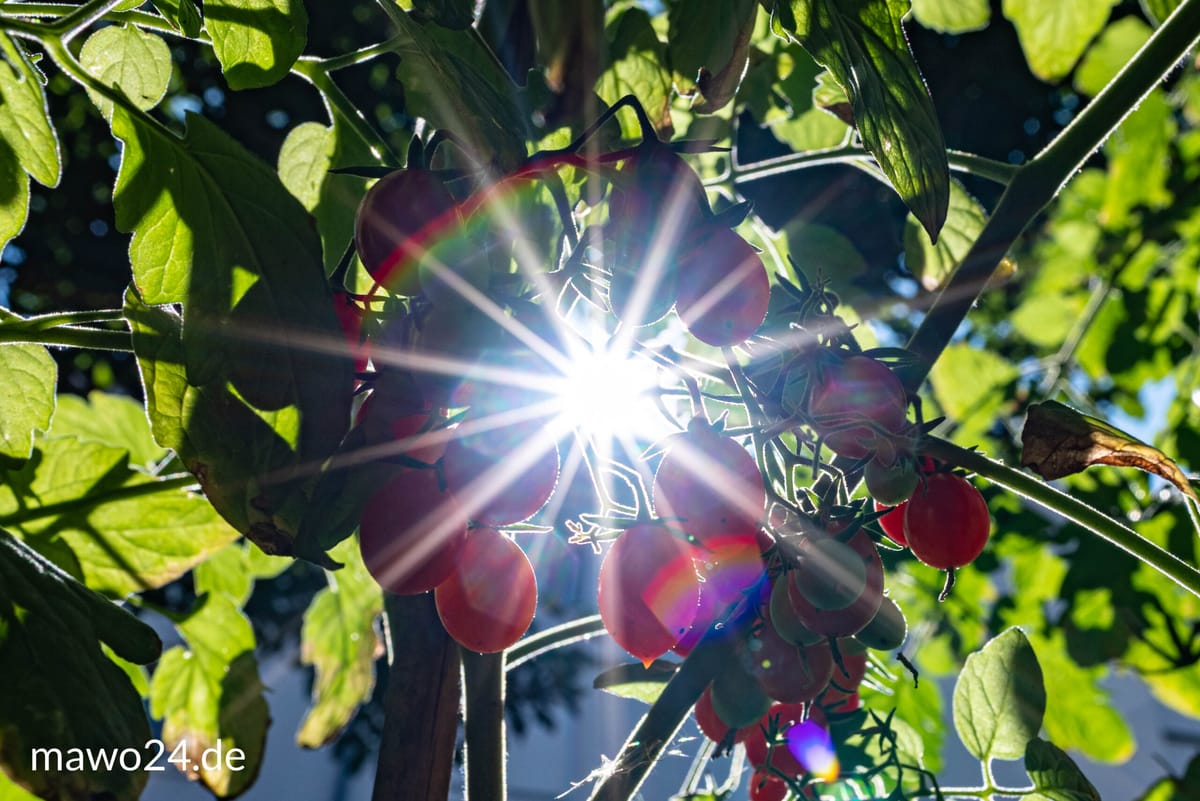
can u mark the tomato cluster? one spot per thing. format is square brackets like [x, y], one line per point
[790, 582]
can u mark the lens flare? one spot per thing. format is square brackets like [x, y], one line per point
[812, 747]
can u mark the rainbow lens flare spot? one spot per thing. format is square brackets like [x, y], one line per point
[812, 747]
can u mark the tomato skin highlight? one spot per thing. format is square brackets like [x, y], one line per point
[648, 590]
[411, 533]
[489, 599]
[723, 289]
[852, 396]
[946, 522]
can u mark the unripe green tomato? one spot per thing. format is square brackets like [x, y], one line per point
[887, 630]
[831, 574]
[891, 485]
[783, 616]
[736, 697]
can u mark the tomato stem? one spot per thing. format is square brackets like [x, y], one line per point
[483, 725]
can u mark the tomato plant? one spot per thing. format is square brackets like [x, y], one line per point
[325, 307]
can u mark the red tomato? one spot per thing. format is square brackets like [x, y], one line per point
[779, 718]
[946, 522]
[893, 522]
[723, 289]
[711, 487]
[766, 786]
[488, 600]
[855, 616]
[411, 533]
[788, 672]
[712, 726]
[501, 476]
[397, 220]
[852, 396]
[648, 591]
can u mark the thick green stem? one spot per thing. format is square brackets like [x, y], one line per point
[1062, 504]
[70, 26]
[585, 628]
[338, 105]
[87, 502]
[969, 163]
[70, 337]
[1036, 184]
[483, 727]
[416, 750]
[43, 322]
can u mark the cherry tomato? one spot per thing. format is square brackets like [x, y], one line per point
[648, 591]
[411, 533]
[777, 720]
[723, 289]
[397, 220]
[854, 617]
[712, 726]
[488, 600]
[887, 630]
[785, 671]
[729, 572]
[891, 484]
[946, 521]
[766, 786]
[712, 486]
[851, 398]
[893, 522]
[784, 619]
[848, 675]
[501, 475]
[737, 698]
[831, 574]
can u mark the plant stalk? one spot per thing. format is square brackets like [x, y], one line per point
[484, 734]
[416, 750]
[1037, 183]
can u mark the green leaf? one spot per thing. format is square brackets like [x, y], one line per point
[952, 16]
[28, 374]
[811, 130]
[1159, 10]
[209, 692]
[1054, 35]
[60, 689]
[821, 252]
[635, 67]
[1109, 53]
[339, 640]
[1055, 775]
[1178, 689]
[112, 419]
[263, 356]
[24, 115]
[1139, 161]
[256, 41]
[11, 791]
[1077, 706]
[934, 264]
[1046, 319]
[968, 383]
[117, 544]
[635, 680]
[708, 48]
[863, 44]
[454, 14]
[483, 109]
[183, 15]
[130, 60]
[999, 698]
[234, 569]
[14, 193]
[307, 155]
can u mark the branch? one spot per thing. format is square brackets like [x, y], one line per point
[483, 679]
